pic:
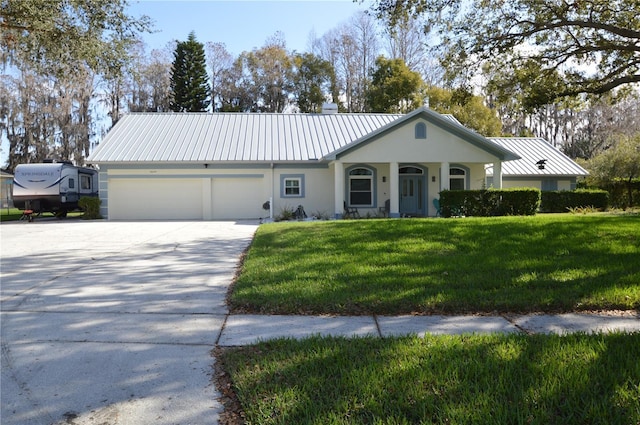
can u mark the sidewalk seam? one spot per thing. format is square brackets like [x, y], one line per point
[375, 320]
[520, 328]
[224, 325]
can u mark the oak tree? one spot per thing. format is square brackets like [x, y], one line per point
[594, 45]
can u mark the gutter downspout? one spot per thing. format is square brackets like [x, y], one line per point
[272, 191]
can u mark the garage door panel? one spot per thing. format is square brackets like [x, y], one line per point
[238, 198]
[157, 198]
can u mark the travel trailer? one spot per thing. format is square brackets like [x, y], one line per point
[52, 186]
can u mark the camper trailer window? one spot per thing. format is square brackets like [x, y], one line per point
[85, 182]
[72, 184]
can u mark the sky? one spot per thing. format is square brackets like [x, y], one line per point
[243, 25]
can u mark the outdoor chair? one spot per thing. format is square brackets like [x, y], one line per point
[436, 205]
[386, 209]
[350, 211]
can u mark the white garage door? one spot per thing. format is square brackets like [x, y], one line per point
[238, 198]
[157, 198]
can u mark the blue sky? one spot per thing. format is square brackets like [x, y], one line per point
[242, 24]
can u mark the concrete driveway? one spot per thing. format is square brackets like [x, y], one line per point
[114, 322]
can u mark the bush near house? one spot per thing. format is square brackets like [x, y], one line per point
[564, 201]
[489, 202]
[91, 207]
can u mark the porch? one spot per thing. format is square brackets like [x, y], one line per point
[409, 188]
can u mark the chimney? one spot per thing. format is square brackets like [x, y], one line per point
[329, 108]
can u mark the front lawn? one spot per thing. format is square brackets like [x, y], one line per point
[550, 263]
[10, 214]
[489, 380]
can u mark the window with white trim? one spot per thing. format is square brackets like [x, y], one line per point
[361, 187]
[292, 186]
[421, 130]
[457, 178]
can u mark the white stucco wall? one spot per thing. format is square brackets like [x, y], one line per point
[318, 190]
[402, 146]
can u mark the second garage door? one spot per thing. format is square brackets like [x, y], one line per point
[238, 198]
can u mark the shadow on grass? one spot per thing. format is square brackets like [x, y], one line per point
[444, 266]
[541, 379]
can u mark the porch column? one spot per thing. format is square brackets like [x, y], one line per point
[444, 176]
[497, 175]
[338, 189]
[394, 190]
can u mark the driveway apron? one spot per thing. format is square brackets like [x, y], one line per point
[114, 322]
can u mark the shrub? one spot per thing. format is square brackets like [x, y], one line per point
[484, 203]
[620, 192]
[286, 213]
[564, 200]
[91, 207]
[321, 215]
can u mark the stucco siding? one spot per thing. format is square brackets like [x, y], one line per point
[513, 183]
[317, 191]
[402, 146]
[565, 185]
[510, 184]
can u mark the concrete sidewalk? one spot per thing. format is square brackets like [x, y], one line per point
[249, 329]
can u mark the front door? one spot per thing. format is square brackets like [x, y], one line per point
[412, 196]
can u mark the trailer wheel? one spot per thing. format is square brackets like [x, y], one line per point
[61, 214]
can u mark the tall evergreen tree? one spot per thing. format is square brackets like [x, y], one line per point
[189, 80]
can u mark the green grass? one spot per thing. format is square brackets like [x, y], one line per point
[14, 214]
[521, 264]
[545, 263]
[491, 379]
[10, 214]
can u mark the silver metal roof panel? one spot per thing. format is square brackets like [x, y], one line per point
[221, 137]
[531, 150]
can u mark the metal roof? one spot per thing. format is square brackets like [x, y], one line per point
[531, 150]
[203, 137]
[240, 137]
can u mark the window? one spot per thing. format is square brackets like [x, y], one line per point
[410, 170]
[72, 183]
[421, 130]
[292, 186]
[361, 187]
[85, 182]
[457, 178]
